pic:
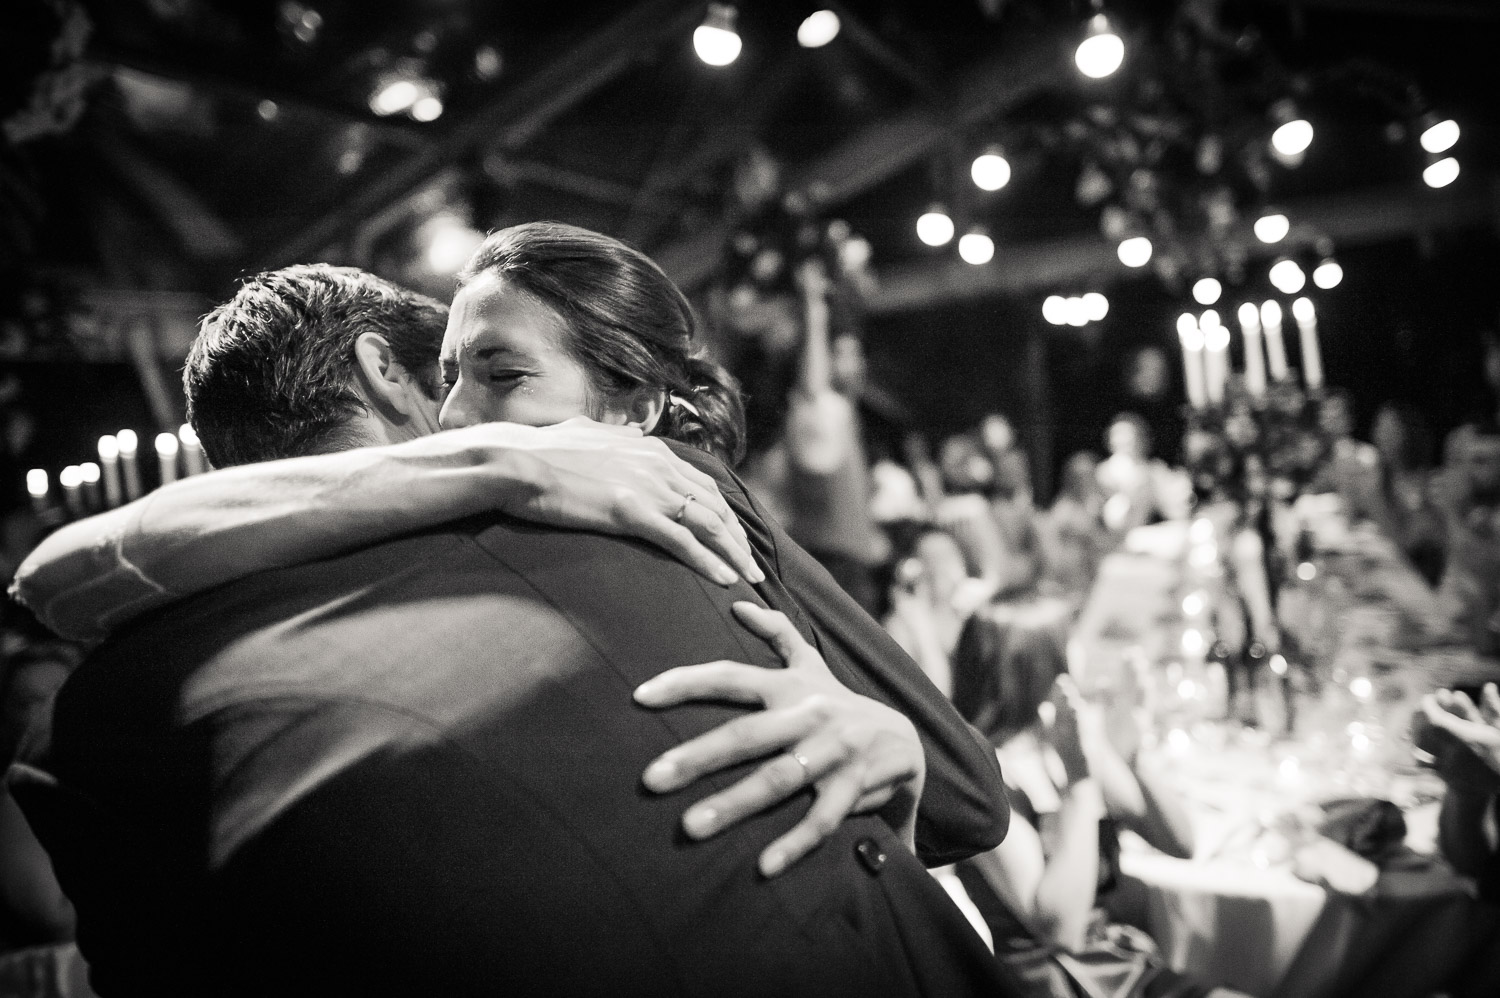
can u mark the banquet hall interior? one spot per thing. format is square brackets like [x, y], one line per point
[1134, 364]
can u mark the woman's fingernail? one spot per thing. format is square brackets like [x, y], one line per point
[755, 575]
[773, 863]
[661, 773]
[700, 822]
[725, 576]
[647, 691]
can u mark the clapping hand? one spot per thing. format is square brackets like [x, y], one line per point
[1463, 738]
[858, 754]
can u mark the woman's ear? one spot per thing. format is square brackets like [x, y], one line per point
[645, 409]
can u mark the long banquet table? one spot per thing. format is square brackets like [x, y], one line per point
[1265, 905]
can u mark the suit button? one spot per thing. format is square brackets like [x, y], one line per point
[870, 854]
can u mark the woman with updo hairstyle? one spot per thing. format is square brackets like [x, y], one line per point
[626, 324]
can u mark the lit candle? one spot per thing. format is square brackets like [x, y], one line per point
[192, 450]
[1270, 319]
[1255, 360]
[1312, 355]
[1191, 338]
[88, 472]
[1215, 355]
[71, 480]
[129, 470]
[36, 484]
[166, 456]
[109, 457]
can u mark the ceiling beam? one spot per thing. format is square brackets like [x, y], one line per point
[1353, 219]
[513, 118]
[1019, 71]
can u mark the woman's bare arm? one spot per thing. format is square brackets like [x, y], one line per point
[93, 575]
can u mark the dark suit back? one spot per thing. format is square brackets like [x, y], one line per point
[416, 770]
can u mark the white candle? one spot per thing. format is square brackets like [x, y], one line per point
[129, 470]
[1255, 360]
[36, 484]
[109, 457]
[1270, 319]
[192, 450]
[1215, 355]
[88, 473]
[71, 480]
[166, 456]
[1312, 355]
[1191, 338]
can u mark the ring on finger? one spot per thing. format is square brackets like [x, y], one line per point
[687, 500]
[802, 761]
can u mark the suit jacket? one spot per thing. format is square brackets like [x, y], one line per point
[415, 769]
[963, 810]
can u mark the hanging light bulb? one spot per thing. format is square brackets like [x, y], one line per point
[1101, 52]
[715, 40]
[935, 228]
[1055, 310]
[976, 247]
[1293, 137]
[427, 109]
[1328, 274]
[1097, 305]
[1438, 136]
[1135, 251]
[1207, 290]
[1272, 227]
[1077, 311]
[1442, 173]
[818, 29]
[991, 170]
[1287, 277]
[395, 97]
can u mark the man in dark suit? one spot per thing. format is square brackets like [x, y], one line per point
[414, 769]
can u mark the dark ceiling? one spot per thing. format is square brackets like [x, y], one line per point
[187, 142]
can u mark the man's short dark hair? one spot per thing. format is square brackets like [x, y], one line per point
[272, 372]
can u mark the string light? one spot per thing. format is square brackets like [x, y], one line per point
[1328, 274]
[715, 40]
[935, 228]
[1101, 52]
[1287, 277]
[976, 248]
[1096, 305]
[818, 29]
[1442, 173]
[427, 109]
[1272, 227]
[1439, 136]
[1292, 138]
[1135, 251]
[395, 97]
[1055, 310]
[991, 170]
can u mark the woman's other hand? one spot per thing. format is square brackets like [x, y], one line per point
[859, 754]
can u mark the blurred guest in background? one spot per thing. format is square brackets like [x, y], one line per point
[1071, 786]
[816, 479]
[1138, 488]
[931, 597]
[1074, 537]
[1469, 592]
[1352, 469]
[1405, 510]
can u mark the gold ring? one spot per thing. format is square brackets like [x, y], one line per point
[682, 510]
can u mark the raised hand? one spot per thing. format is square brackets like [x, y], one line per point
[1473, 731]
[859, 754]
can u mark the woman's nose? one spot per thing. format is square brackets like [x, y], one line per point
[456, 413]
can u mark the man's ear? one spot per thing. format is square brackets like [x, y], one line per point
[382, 376]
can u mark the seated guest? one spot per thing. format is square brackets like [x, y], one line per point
[1071, 787]
[1138, 488]
[931, 598]
[1074, 538]
[1352, 468]
[965, 512]
[1404, 508]
[1469, 593]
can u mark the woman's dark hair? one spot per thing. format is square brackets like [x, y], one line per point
[628, 325]
[1002, 674]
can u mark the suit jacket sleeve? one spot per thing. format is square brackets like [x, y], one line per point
[963, 810]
